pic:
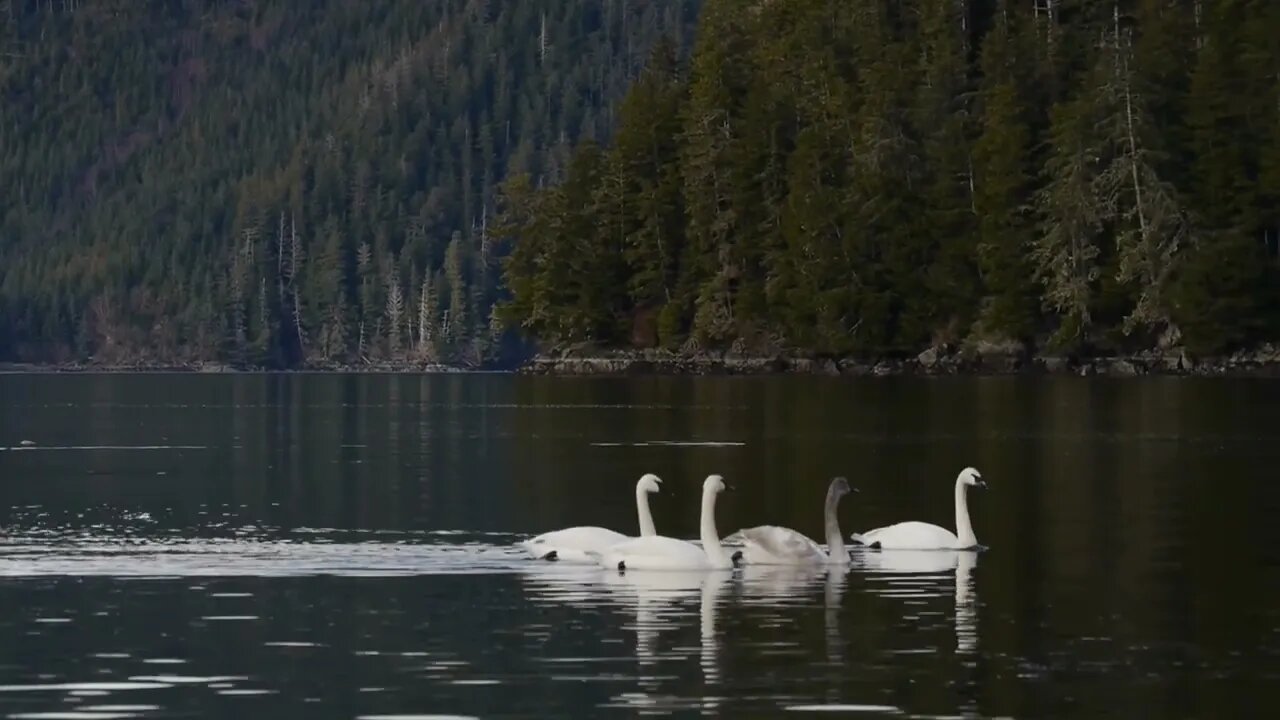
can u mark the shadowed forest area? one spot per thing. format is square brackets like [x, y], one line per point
[279, 184]
[331, 184]
[876, 177]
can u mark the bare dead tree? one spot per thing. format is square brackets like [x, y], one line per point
[295, 259]
[542, 40]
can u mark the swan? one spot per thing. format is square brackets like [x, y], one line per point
[577, 544]
[924, 536]
[773, 545]
[658, 552]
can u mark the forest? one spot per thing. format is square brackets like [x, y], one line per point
[264, 183]
[874, 178]
[268, 184]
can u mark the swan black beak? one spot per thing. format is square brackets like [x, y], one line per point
[981, 484]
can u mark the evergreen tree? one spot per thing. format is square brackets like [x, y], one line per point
[1001, 156]
[455, 270]
[393, 138]
[944, 124]
[1219, 293]
[861, 177]
[1148, 221]
[646, 161]
[1067, 250]
[716, 81]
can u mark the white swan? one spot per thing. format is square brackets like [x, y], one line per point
[583, 544]
[924, 536]
[663, 553]
[773, 545]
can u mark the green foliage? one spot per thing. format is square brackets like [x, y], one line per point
[1002, 159]
[868, 177]
[149, 152]
[400, 181]
[1224, 296]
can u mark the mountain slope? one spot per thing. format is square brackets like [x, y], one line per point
[874, 179]
[283, 184]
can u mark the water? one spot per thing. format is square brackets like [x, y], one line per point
[310, 546]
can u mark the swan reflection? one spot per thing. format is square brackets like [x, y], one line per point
[920, 573]
[564, 583]
[660, 603]
[709, 658]
[832, 595]
[779, 584]
[656, 600]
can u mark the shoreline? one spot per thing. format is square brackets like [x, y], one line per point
[1263, 362]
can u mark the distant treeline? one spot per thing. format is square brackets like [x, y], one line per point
[282, 183]
[875, 177]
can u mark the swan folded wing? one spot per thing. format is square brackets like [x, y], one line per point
[654, 553]
[770, 543]
[572, 543]
[909, 536]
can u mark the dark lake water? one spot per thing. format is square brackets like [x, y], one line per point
[340, 546]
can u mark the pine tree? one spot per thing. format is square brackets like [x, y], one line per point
[455, 275]
[1150, 226]
[1221, 284]
[1066, 252]
[882, 232]
[395, 308]
[944, 123]
[427, 319]
[716, 78]
[368, 299]
[646, 151]
[1002, 183]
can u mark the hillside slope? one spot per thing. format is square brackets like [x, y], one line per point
[873, 179]
[285, 184]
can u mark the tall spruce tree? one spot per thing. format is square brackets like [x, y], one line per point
[1003, 180]
[1221, 288]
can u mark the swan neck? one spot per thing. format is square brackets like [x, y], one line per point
[831, 526]
[646, 518]
[964, 529]
[709, 536]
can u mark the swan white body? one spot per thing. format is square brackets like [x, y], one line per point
[664, 553]
[915, 535]
[774, 545]
[583, 544]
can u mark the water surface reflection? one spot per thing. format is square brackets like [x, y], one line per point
[913, 575]
[339, 546]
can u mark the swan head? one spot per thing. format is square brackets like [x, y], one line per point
[714, 484]
[840, 487]
[971, 477]
[649, 483]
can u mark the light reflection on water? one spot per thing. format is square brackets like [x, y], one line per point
[653, 642]
[316, 546]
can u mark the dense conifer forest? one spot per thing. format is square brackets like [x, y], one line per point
[872, 178]
[264, 182]
[270, 183]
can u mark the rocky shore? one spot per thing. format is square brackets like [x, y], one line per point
[218, 367]
[1264, 361]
